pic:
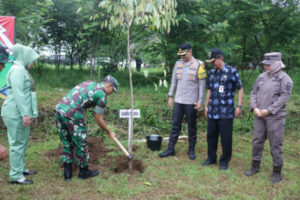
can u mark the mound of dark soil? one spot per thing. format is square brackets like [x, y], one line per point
[122, 165]
[98, 150]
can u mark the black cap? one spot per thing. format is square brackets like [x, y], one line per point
[183, 49]
[213, 54]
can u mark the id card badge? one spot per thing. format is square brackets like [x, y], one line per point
[221, 88]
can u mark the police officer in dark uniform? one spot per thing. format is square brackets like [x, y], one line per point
[222, 82]
[188, 80]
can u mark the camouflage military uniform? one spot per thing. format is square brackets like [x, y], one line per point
[70, 119]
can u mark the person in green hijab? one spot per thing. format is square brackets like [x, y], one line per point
[18, 109]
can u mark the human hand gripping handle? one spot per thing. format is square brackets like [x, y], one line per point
[122, 147]
[112, 135]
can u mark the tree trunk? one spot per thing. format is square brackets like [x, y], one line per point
[71, 61]
[57, 61]
[131, 94]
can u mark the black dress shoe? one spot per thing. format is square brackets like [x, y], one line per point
[29, 173]
[208, 162]
[25, 182]
[223, 167]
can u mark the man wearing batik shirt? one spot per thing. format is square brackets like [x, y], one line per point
[71, 123]
[222, 82]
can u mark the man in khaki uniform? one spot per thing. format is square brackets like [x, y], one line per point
[188, 80]
[270, 93]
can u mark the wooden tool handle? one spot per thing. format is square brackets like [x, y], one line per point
[121, 146]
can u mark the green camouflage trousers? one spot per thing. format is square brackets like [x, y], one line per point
[73, 135]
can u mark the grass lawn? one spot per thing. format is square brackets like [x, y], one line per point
[170, 178]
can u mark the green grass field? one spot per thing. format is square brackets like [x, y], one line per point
[170, 178]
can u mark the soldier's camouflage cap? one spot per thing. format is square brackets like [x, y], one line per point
[4, 56]
[270, 58]
[112, 80]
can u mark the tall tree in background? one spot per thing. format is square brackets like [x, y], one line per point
[159, 15]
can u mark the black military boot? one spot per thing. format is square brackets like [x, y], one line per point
[169, 152]
[191, 153]
[85, 173]
[276, 175]
[254, 168]
[68, 171]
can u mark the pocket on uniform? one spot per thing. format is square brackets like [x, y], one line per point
[191, 76]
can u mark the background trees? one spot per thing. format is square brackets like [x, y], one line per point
[81, 31]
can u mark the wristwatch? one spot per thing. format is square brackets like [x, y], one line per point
[240, 106]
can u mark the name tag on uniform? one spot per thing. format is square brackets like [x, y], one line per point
[221, 88]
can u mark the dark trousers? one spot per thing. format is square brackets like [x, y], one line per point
[179, 111]
[216, 127]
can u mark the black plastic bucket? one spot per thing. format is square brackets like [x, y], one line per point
[154, 142]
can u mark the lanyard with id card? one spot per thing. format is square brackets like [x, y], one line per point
[221, 88]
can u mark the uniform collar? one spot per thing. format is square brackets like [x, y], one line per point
[223, 69]
[189, 62]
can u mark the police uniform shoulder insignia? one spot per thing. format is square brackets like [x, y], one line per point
[201, 70]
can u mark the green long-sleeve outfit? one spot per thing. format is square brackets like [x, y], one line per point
[20, 102]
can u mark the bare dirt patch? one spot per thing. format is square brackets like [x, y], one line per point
[122, 165]
[98, 150]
